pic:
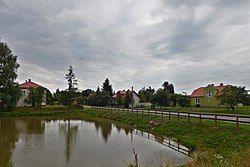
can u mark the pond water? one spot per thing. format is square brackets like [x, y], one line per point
[40, 142]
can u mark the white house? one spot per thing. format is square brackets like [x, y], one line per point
[135, 96]
[23, 101]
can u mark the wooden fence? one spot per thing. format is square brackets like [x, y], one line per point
[166, 142]
[237, 119]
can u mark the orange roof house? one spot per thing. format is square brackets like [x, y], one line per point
[28, 84]
[206, 96]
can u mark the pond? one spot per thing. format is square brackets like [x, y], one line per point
[40, 142]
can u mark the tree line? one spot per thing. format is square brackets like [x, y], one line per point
[10, 92]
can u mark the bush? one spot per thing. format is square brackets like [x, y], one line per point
[197, 105]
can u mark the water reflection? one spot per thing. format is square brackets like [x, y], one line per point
[105, 129]
[70, 132]
[10, 130]
[27, 142]
[7, 141]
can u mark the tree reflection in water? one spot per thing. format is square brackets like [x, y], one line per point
[10, 129]
[70, 132]
[8, 138]
[30, 135]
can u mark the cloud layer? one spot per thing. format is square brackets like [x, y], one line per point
[145, 42]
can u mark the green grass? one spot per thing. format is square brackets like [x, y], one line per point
[218, 146]
[212, 146]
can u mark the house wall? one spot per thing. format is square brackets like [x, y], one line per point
[207, 100]
[22, 101]
[136, 98]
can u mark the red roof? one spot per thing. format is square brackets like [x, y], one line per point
[200, 91]
[29, 84]
[122, 93]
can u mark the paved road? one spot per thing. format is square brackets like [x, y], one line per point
[224, 117]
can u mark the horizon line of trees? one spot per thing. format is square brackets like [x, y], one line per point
[230, 97]
[10, 92]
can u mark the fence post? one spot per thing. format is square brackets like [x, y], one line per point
[155, 112]
[148, 111]
[188, 117]
[178, 115]
[169, 115]
[237, 122]
[216, 120]
[162, 113]
[142, 111]
[200, 117]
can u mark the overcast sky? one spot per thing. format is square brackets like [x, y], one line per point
[189, 43]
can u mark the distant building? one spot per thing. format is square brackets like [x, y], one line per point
[23, 101]
[136, 97]
[206, 96]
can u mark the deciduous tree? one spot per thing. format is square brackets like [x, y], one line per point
[161, 97]
[9, 88]
[169, 87]
[231, 96]
[36, 96]
[183, 100]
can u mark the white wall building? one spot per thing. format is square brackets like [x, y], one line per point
[23, 101]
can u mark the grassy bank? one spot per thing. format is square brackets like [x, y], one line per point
[212, 146]
[243, 110]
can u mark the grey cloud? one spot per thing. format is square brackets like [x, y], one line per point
[140, 43]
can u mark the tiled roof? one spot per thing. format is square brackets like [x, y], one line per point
[200, 91]
[219, 88]
[29, 84]
[122, 93]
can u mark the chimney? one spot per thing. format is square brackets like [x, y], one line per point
[221, 84]
[212, 84]
[132, 89]
[29, 80]
[26, 81]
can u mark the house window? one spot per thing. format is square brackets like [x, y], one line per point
[197, 101]
[210, 93]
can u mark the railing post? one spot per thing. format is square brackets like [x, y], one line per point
[215, 117]
[237, 122]
[200, 117]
